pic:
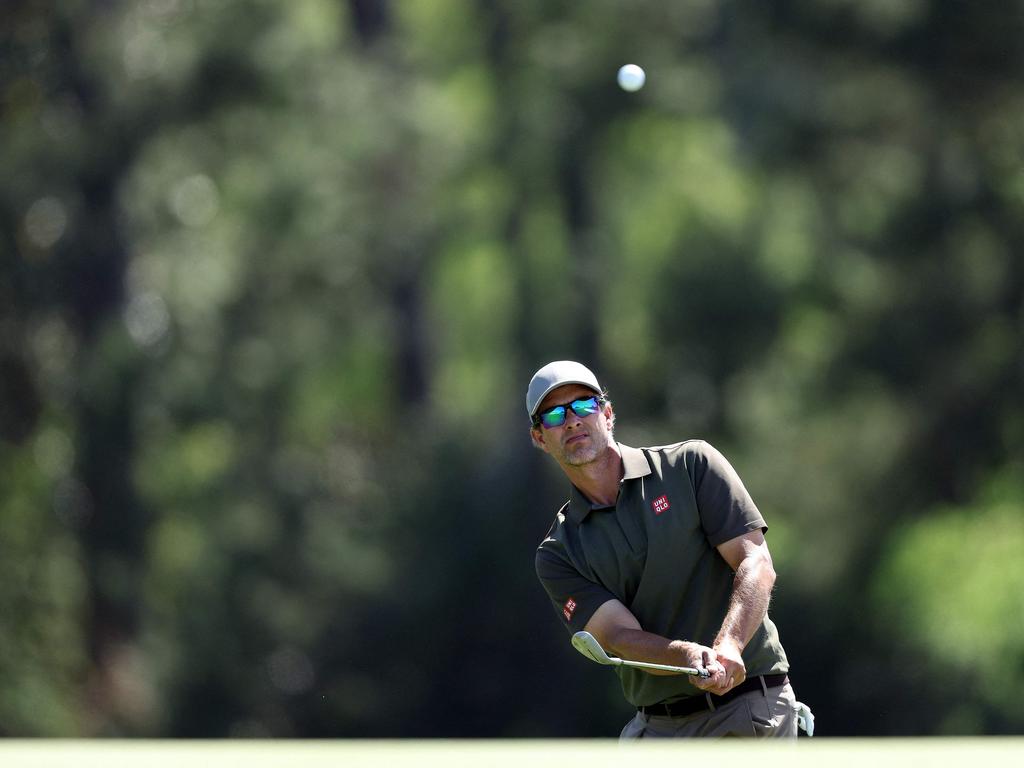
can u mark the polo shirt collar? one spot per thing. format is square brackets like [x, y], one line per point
[634, 463]
[634, 466]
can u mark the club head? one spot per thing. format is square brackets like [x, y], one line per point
[587, 644]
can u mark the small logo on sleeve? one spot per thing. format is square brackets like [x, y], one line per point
[660, 505]
[569, 609]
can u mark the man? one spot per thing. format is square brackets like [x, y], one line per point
[660, 554]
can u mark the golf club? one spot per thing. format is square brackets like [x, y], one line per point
[587, 644]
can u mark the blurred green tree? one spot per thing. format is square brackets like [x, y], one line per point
[274, 275]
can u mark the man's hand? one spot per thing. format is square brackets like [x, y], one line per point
[730, 658]
[701, 656]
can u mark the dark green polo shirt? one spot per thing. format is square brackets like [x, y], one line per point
[655, 551]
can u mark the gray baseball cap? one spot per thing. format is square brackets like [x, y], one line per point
[555, 375]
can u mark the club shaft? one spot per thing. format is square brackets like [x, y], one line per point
[662, 667]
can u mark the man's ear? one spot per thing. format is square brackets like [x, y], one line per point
[537, 436]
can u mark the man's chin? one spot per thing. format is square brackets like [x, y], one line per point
[585, 455]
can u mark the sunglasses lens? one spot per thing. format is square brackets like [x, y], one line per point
[586, 407]
[553, 418]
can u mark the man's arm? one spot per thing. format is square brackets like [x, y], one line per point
[619, 632]
[752, 585]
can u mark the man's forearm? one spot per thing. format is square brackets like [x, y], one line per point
[639, 645]
[751, 593]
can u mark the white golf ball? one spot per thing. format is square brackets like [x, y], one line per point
[631, 77]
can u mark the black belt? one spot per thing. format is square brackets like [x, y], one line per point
[695, 704]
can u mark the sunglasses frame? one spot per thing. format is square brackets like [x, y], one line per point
[539, 422]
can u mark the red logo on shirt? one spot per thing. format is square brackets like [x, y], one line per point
[569, 609]
[660, 505]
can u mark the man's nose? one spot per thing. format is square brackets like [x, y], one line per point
[572, 419]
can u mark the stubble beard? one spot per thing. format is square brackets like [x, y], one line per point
[586, 454]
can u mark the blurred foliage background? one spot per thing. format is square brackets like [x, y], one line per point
[274, 276]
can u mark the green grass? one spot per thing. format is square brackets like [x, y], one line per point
[806, 753]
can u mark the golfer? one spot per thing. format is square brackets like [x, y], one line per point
[660, 554]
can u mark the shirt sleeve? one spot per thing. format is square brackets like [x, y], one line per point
[574, 597]
[726, 509]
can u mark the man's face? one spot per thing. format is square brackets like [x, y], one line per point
[581, 439]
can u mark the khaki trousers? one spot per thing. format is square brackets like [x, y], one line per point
[767, 713]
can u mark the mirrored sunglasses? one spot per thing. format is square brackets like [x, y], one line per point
[555, 416]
